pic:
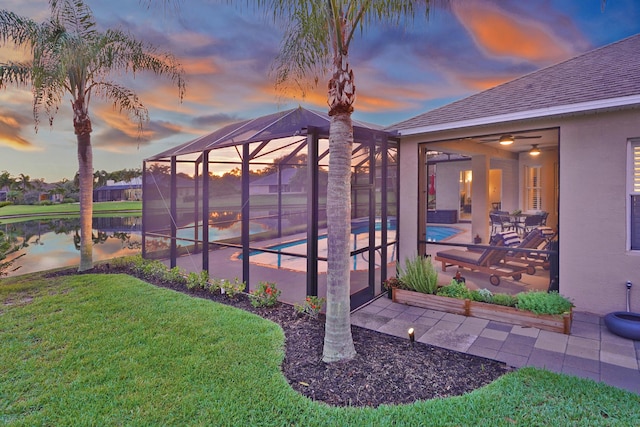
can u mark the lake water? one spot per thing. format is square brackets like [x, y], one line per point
[54, 243]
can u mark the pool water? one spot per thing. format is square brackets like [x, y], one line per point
[299, 247]
[436, 233]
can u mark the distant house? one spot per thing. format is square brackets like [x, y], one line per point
[564, 139]
[119, 191]
[269, 184]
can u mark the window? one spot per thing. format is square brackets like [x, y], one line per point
[634, 185]
[533, 188]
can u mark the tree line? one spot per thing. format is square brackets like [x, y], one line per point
[22, 189]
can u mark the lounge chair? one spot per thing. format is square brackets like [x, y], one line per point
[490, 261]
[538, 238]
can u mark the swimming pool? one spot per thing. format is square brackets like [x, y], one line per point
[294, 256]
[437, 233]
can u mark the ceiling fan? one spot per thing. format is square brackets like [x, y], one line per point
[508, 139]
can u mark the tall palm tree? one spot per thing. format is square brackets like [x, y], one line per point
[25, 182]
[70, 57]
[6, 180]
[317, 40]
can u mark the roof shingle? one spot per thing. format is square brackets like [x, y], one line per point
[612, 71]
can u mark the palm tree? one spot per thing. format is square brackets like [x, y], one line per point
[70, 57]
[25, 182]
[6, 181]
[317, 38]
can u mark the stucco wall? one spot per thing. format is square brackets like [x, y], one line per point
[510, 182]
[593, 211]
[594, 262]
[408, 221]
[448, 185]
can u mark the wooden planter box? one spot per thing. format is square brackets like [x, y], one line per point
[482, 310]
[432, 302]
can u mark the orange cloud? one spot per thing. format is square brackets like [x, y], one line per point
[17, 143]
[480, 83]
[200, 66]
[120, 121]
[502, 34]
[10, 129]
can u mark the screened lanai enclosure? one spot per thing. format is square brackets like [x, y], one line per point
[248, 202]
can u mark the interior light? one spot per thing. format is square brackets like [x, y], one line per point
[534, 150]
[506, 140]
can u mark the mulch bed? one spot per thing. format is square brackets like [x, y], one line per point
[386, 369]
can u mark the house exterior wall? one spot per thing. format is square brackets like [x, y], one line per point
[258, 189]
[447, 184]
[593, 211]
[510, 180]
[408, 201]
[594, 260]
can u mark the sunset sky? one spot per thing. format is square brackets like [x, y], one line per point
[227, 54]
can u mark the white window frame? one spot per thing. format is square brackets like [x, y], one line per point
[530, 187]
[633, 183]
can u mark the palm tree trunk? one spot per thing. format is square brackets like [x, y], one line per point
[85, 176]
[338, 342]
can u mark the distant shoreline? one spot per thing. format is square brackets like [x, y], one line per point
[19, 212]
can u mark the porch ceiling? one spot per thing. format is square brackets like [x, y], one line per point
[474, 144]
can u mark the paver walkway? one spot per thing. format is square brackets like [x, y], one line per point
[591, 351]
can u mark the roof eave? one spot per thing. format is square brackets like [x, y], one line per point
[560, 110]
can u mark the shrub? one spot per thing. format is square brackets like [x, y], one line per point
[482, 295]
[504, 299]
[198, 280]
[7, 203]
[393, 282]
[311, 306]
[214, 285]
[174, 275]
[544, 302]
[418, 274]
[153, 269]
[265, 296]
[232, 288]
[455, 289]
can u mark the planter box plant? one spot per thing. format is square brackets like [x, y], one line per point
[417, 285]
[550, 322]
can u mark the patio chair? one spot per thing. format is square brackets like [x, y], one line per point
[490, 261]
[543, 220]
[502, 221]
[530, 222]
[538, 238]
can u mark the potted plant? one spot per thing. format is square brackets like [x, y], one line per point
[390, 283]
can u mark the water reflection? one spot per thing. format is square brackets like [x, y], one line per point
[55, 243]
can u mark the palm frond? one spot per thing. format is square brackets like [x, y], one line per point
[15, 73]
[124, 100]
[73, 15]
[117, 51]
[17, 29]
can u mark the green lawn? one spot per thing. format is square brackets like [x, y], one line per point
[113, 350]
[68, 208]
